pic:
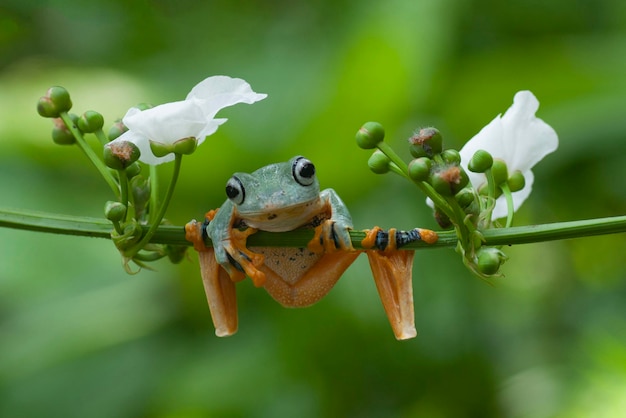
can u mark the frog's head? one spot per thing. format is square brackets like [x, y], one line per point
[277, 197]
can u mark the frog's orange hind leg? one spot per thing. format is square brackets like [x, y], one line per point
[392, 272]
[218, 286]
[220, 294]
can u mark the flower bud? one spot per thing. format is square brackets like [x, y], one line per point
[119, 155]
[517, 181]
[483, 190]
[133, 170]
[114, 211]
[500, 171]
[426, 143]
[451, 156]
[117, 129]
[379, 162]
[419, 168]
[489, 260]
[131, 234]
[448, 180]
[140, 188]
[56, 101]
[185, 146]
[160, 150]
[370, 135]
[465, 197]
[61, 134]
[90, 122]
[176, 253]
[480, 162]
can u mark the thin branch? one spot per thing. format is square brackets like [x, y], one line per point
[175, 235]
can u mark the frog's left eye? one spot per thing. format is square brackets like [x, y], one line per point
[235, 190]
[303, 171]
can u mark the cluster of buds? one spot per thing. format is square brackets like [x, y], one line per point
[118, 162]
[145, 135]
[440, 174]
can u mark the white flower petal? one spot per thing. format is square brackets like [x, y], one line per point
[520, 139]
[489, 138]
[168, 122]
[528, 138]
[210, 129]
[192, 117]
[220, 91]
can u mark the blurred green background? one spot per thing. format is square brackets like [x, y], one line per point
[80, 338]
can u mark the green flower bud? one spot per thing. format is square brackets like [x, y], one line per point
[131, 235]
[140, 188]
[117, 129]
[370, 135]
[61, 134]
[480, 162]
[426, 143]
[160, 150]
[448, 180]
[451, 156]
[176, 253]
[56, 101]
[500, 171]
[419, 168]
[185, 146]
[440, 183]
[119, 155]
[114, 211]
[90, 122]
[517, 181]
[133, 170]
[484, 191]
[489, 260]
[462, 182]
[379, 162]
[465, 197]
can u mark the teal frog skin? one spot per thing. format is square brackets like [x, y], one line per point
[283, 197]
[276, 198]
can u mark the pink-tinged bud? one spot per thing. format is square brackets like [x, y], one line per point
[56, 101]
[120, 154]
[117, 129]
[90, 122]
[370, 135]
[426, 143]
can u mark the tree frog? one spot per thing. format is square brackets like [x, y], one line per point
[283, 197]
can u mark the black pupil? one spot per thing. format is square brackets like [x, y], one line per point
[231, 191]
[307, 170]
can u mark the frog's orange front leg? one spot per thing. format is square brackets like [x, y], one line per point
[218, 286]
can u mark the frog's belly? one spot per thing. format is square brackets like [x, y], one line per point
[288, 263]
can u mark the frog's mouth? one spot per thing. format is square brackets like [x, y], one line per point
[285, 218]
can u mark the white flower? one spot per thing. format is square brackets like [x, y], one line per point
[520, 139]
[193, 117]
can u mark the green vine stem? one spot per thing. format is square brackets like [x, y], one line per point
[175, 235]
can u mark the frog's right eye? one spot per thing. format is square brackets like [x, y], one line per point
[235, 190]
